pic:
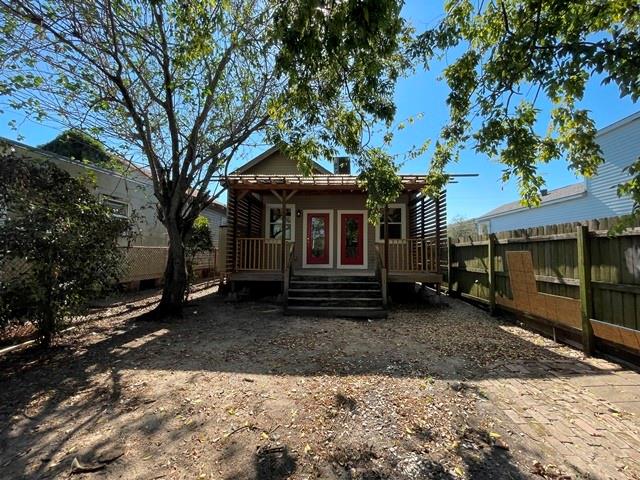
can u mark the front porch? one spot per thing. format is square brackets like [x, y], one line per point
[293, 226]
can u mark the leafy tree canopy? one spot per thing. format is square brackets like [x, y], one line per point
[515, 52]
[60, 245]
[181, 86]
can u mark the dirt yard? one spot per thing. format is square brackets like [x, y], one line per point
[237, 391]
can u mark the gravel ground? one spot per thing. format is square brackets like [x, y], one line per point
[237, 391]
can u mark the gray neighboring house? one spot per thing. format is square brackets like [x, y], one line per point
[595, 197]
[124, 193]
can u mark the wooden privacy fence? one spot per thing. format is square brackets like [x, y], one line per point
[148, 263]
[575, 277]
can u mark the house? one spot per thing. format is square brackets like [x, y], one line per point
[130, 193]
[595, 197]
[312, 236]
[126, 192]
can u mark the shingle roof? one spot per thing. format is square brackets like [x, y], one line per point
[557, 194]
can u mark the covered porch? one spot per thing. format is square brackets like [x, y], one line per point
[271, 220]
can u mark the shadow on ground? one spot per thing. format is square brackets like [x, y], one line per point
[46, 400]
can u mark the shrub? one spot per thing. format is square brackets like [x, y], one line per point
[59, 245]
[199, 241]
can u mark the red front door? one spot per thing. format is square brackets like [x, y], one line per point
[318, 238]
[352, 239]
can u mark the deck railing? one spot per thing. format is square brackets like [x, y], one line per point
[411, 255]
[259, 254]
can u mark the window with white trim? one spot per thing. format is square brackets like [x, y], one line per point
[274, 222]
[118, 208]
[396, 220]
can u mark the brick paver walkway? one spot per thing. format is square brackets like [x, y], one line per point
[585, 413]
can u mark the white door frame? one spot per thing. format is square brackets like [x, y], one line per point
[330, 238]
[365, 240]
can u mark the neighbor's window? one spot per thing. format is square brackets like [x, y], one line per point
[395, 220]
[117, 207]
[274, 222]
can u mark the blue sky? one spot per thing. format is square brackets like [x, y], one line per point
[422, 93]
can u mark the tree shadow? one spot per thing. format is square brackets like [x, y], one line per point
[251, 339]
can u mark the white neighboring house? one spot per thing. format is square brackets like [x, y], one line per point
[595, 197]
[124, 193]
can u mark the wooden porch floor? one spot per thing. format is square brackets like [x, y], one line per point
[394, 277]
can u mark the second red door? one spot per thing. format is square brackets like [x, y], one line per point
[352, 239]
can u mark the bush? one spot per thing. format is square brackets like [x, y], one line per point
[199, 241]
[60, 245]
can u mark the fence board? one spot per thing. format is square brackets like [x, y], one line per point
[615, 267]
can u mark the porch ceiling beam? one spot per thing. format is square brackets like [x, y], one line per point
[276, 194]
[317, 187]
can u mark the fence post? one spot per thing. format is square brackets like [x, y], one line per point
[449, 269]
[584, 272]
[491, 273]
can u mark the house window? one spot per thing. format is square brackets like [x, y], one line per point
[396, 221]
[274, 222]
[118, 208]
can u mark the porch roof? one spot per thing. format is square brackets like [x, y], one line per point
[316, 182]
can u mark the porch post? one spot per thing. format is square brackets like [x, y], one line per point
[438, 234]
[438, 239]
[386, 237]
[283, 240]
[234, 233]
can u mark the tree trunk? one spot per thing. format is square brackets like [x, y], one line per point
[176, 280]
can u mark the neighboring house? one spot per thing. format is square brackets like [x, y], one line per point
[596, 197]
[331, 259]
[127, 193]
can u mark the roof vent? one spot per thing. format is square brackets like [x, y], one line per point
[544, 192]
[341, 166]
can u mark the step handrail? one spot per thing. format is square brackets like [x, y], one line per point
[287, 274]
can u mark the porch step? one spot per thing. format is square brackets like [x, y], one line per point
[336, 292]
[333, 278]
[351, 312]
[356, 296]
[328, 284]
[336, 302]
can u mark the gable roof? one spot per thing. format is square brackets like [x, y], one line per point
[557, 195]
[268, 153]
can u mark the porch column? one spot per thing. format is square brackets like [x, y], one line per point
[283, 239]
[438, 239]
[386, 237]
[438, 219]
[234, 233]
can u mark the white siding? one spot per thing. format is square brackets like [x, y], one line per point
[215, 218]
[135, 189]
[620, 147]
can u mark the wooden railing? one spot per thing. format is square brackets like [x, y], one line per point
[411, 255]
[259, 254]
[381, 275]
